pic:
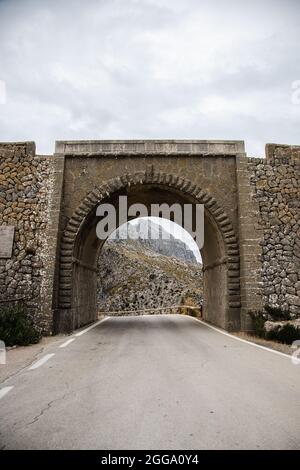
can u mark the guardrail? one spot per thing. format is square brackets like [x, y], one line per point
[173, 307]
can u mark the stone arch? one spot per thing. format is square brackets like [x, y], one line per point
[219, 222]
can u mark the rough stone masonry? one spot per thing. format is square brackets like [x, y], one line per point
[276, 183]
[262, 211]
[25, 193]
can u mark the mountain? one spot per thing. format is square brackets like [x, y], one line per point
[140, 274]
[152, 235]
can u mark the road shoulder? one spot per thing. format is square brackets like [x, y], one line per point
[283, 348]
[20, 357]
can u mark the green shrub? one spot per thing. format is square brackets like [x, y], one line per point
[258, 318]
[277, 313]
[284, 334]
[192, 312]
[16, 327]
[189, 301]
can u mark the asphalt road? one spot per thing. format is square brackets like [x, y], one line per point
[153, 382]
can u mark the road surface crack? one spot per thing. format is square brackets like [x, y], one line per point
[46, 408]
[28, 364]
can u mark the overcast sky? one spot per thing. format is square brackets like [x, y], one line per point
[114, 69]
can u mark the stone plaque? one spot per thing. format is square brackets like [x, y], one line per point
[6, 240]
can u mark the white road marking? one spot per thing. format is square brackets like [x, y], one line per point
[4, 391]
[69, 341]
[41, 361]
[241, 339]
[90, 327]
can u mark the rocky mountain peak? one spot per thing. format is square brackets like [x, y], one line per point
[152, 235]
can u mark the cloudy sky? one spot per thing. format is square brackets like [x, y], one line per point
[117, 69]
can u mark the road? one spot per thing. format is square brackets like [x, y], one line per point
[152, 382]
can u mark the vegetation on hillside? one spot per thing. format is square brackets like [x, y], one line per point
[133, 277]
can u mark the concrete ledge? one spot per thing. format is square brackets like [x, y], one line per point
[151, 147]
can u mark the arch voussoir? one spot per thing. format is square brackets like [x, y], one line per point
[149, 176]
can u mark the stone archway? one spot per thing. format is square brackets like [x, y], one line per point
[80, 247]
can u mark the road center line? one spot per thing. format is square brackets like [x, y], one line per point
[265, 348]
[90, 327]
[5, 390]
[41, 361]
[66, 343]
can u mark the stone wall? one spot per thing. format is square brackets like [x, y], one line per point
[276, 189]
[262, 201]
[25, 189]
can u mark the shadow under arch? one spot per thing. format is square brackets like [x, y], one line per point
[80, 247]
